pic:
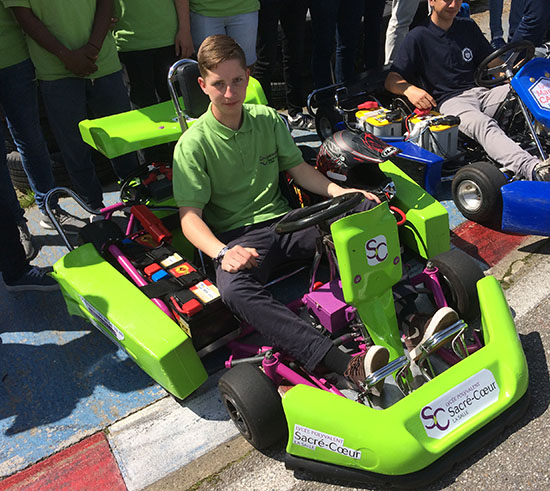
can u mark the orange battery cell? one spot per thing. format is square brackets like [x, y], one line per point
[181, 270]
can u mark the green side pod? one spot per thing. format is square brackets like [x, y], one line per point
[96, 291]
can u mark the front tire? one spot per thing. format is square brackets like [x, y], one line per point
[458, 276]
[476, 191]
[254, 405]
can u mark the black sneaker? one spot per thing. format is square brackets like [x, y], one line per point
[36, 279]
[70, 223]
[541, 172]
[26, 240]
[498, 43]
[302, 121]
[364, 364]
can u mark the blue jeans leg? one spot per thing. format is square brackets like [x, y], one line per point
[65, 101]
[324, 15]
[241, 27]
[495, 18]
[12, 255]
[7, 192]
[516, 13]
[107, 96]
[19, 98]
[533, 23]
[348, 34]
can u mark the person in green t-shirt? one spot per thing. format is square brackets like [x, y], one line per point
[226, 169]
[77, 65]
[236, 18]
[150, 37]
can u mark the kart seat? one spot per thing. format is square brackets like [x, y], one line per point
[182, 82]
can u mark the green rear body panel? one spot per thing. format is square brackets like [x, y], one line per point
[142, 128]
[427, 229]
[96, 291]
[394, 441]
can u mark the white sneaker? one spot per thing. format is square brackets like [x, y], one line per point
[70, 223]
[423, 328]
[541, 172]
[302, 121]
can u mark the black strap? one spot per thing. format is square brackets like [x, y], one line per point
[160, 288]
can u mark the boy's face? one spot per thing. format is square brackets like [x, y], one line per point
[226, 86]
[446, 9]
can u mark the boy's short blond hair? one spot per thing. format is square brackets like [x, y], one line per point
[217, 49]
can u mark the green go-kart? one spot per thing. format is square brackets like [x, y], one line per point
[141, 287]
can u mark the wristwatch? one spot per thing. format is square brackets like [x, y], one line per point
[218, 259]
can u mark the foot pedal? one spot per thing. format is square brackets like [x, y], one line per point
[453, 334]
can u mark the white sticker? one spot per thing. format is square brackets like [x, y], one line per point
[206, 291]
[107, 324]
[173, 259]
[377, 250]
[540, 91]
[458, 405]
[312, 439]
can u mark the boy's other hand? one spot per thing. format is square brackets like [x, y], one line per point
[183, 44]
[419, 97]
[81, 61]
[238, 258]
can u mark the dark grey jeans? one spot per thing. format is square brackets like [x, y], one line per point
[243, 292]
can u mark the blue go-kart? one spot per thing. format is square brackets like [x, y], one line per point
[433, 149]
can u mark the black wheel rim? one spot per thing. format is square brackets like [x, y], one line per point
[237, 417]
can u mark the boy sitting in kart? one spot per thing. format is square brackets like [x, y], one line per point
[226, 169]
[435, 66]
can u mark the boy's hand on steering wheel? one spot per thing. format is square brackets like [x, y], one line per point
[238, 258]
[366, 194]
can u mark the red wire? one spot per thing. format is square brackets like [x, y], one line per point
[400, 213]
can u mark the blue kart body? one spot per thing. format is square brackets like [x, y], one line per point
[525, 204]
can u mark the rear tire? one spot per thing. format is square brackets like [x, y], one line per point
[458, 276]
[476, 191]
[20, 181]
[326, 119]
[254, 405]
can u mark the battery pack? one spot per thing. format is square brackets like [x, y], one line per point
[437, 133]
[193, 299]
[381, 122]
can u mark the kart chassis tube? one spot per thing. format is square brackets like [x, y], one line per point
[136, 277]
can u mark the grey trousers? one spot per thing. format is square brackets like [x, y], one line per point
[402, 14]
[476, 108]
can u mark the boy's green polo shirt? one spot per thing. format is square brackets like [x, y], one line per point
[223, 8]
[13, 48]
[234, 175]
[70, 21]
[144, 24]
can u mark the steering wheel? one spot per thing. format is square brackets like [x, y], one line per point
[514, 56]
[318, 213]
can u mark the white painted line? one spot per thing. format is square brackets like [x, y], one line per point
[530, 289]
[167, 435]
